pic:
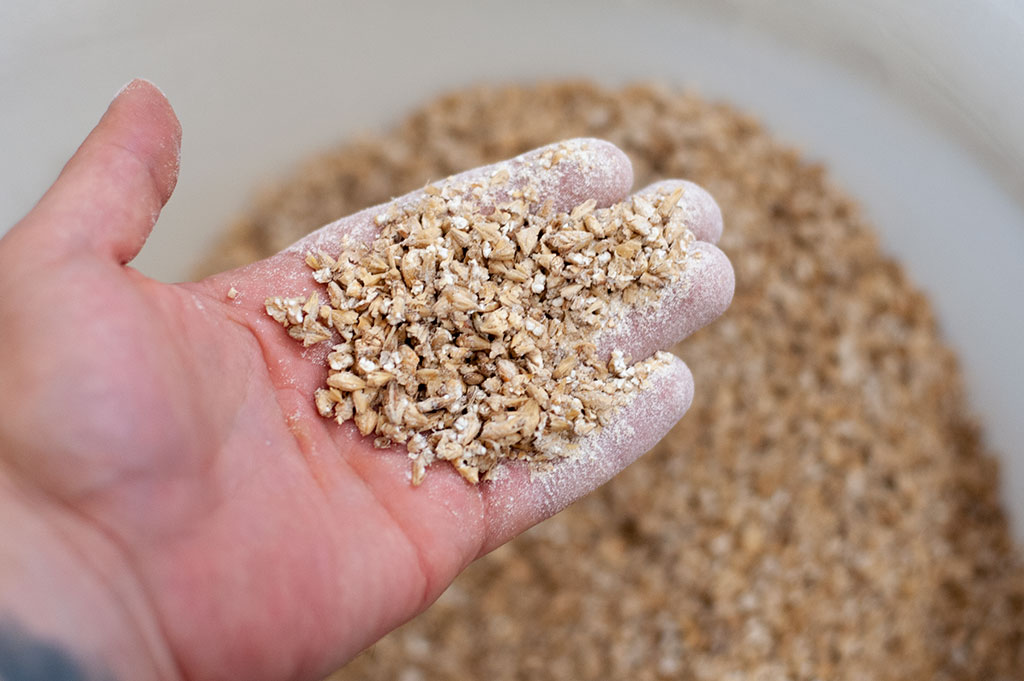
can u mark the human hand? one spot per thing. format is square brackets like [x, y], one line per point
[172, 504]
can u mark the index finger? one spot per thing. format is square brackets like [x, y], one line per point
[568, 173]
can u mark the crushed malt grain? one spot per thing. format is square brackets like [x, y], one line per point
[467, 327]
[826, 510]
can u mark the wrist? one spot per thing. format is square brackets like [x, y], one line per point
[68, 597]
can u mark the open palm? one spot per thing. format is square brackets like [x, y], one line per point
[161, 457]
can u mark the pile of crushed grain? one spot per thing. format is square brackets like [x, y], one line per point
[826, 509]
[468, 327]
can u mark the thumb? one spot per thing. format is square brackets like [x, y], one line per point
[108, 196]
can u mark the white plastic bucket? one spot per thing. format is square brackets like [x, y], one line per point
[917, 107]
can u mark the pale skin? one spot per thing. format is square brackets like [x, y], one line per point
[171, 504]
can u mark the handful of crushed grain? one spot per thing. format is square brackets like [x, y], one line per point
[467, 327]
